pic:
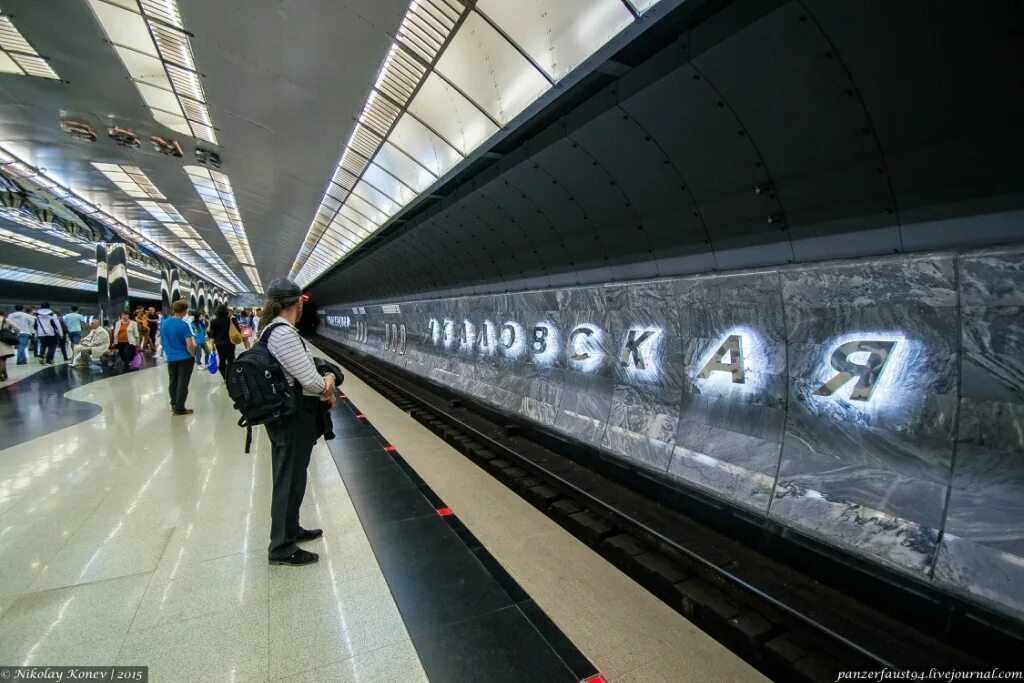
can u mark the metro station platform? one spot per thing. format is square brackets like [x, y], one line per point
[131, 536]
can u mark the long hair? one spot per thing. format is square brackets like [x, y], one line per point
[273, 307]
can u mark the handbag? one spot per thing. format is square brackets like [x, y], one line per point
[234, 335]
[211, 364]
[136, 363]
[8, 336]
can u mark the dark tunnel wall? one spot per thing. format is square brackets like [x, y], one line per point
[769, 134]
[876, 404]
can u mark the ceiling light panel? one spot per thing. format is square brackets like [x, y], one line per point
[383, 181]
[404, 168]
[130, 179]
[39, 277]
[20, 240]
[215, 190]
[140, 235]
[137, 185]
[451, 114]
[491, 71]
[17, 56]
[425, 146]
[152, 43]
[558, 35]
[454, 75]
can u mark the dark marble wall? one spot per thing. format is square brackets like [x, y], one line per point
[733, 384]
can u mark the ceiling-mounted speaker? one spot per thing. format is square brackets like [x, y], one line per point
[166, 147]
[123, 137]
[79, 130]
[207, 157]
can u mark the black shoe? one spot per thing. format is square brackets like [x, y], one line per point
[187, 411]
[309, 535]
[298, 558]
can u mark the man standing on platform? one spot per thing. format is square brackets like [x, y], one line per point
[180, 353]
[73, 322]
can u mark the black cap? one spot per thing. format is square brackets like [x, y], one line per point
[283, 288]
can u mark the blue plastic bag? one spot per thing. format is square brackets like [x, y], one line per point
[211, 366]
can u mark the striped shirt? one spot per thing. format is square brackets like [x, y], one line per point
[295, 359]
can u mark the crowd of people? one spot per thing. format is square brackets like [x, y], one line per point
[186, 339]
[40, 332]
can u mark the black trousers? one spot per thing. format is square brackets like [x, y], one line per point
[225, 356]
[180, 374]
[127, 353]
[292, 441]
[47, 347]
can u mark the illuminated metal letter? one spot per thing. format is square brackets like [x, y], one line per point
[632, 349]
[511, 335]
[577, 354]
[485, 333]
[867, 373]
[731, 349]
[466, 332]
[540, 338]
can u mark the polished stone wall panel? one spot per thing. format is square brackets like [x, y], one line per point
[873, 474]
[925, 477]
[982, 549]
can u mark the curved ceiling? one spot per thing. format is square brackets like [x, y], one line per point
[769, 133]
[283, 83]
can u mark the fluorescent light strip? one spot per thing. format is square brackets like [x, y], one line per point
[17, 56]
[161, 211]
[141, 294]
[168, 216]
[34, 244]
[455, 74]
[151, 41]
[423, 30]
[215, 190]
[138, 234]
[130, 179]
[39, 277]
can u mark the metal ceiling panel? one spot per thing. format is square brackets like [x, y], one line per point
[483, 65]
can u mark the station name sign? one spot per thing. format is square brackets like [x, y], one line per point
[858, 363]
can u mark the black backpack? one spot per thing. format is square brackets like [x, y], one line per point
[259, 388]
